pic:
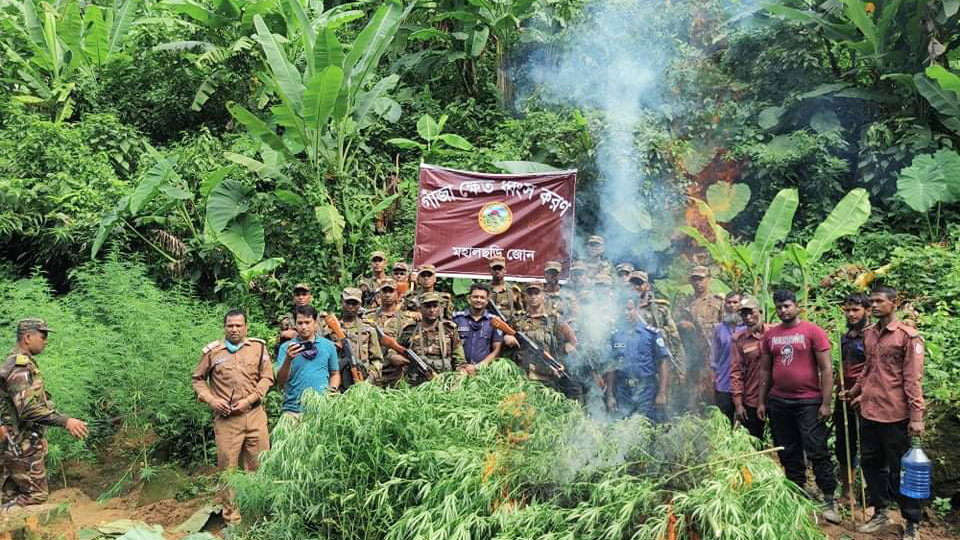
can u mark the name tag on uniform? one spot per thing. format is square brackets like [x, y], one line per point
[619, 345]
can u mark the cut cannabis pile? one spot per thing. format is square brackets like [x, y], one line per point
[496, 456]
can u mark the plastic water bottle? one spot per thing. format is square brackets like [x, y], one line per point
[915, 474]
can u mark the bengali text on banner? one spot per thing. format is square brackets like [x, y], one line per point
[464, 219]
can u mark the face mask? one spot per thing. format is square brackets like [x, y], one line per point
[233, 348]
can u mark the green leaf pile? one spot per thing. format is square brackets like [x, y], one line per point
[497, 456]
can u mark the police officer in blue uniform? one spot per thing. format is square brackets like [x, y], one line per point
[639, 382]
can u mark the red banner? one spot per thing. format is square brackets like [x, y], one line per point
[464, 219]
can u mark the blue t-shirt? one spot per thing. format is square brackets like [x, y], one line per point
[722, 353]
[304, 374]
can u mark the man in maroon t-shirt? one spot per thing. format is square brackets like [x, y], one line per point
[796, 365]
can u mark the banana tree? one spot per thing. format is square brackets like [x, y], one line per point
[324, 107]
[51, 46]
[226, 219]
[759, 264]
[477, 23]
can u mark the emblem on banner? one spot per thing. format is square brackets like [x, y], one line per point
[495, 217]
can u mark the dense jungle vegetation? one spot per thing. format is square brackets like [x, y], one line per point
[161, 160]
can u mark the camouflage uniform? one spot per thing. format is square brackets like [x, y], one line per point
[370, 287]
[598, 267]
[544, 330]
[509, 299]
[411, 303]
[26, 410]
[703, 313]
[439, 347]
[391, 325]
[366, 349]
[562, 303]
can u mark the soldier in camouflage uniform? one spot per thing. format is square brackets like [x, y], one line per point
[302, 296]
[554, 336]
[433, 338]
[579, 282]
[655, 312]
[427, 282]
[506, 296]
[599, 311]
[364, 342]
[595, 262]
[401, 275]
[27, 411]
[391, 320]
[624, 270]
[560, 300]
[370, 285]
[696, 318]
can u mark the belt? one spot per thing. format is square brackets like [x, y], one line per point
[639, 381]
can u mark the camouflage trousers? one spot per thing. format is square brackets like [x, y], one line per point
[25, 477]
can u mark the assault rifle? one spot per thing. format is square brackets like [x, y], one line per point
[500, 324]
[356, 369]
[413, 357]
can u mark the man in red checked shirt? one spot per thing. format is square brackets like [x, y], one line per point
[890, 396]
[796, 362]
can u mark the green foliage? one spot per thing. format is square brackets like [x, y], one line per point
[758, 265]
[431, 131]
[931, 180]
[498, 456]
[55, 181]
[63, 43]
[113, 332]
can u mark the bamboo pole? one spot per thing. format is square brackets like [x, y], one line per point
[846, 427]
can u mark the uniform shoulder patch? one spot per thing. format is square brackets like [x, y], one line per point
[22, 360]
[258, 340]
[210, 346]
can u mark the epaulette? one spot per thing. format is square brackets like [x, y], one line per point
[459, 313]
[210, 346]
[910, 331]
[258, 340]
[22, 360]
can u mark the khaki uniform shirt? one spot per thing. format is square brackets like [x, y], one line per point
[439, 347]
[26, 405]
[245, 375]
[891, 383]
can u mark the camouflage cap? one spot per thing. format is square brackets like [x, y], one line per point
[376, 254]
[428, 268]
[429, 298]
[301, 286]
[533, 285]
[400, 265]
[749, 302]
[625, 267]
[639, 275]
[578, 266]
[388, 284]
[498, 261]
[595, 239]
[700, 271]
[32, 324]
[553, 265]
[352, 293]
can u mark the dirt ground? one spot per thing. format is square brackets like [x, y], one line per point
[88, 513]
[847, 530]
